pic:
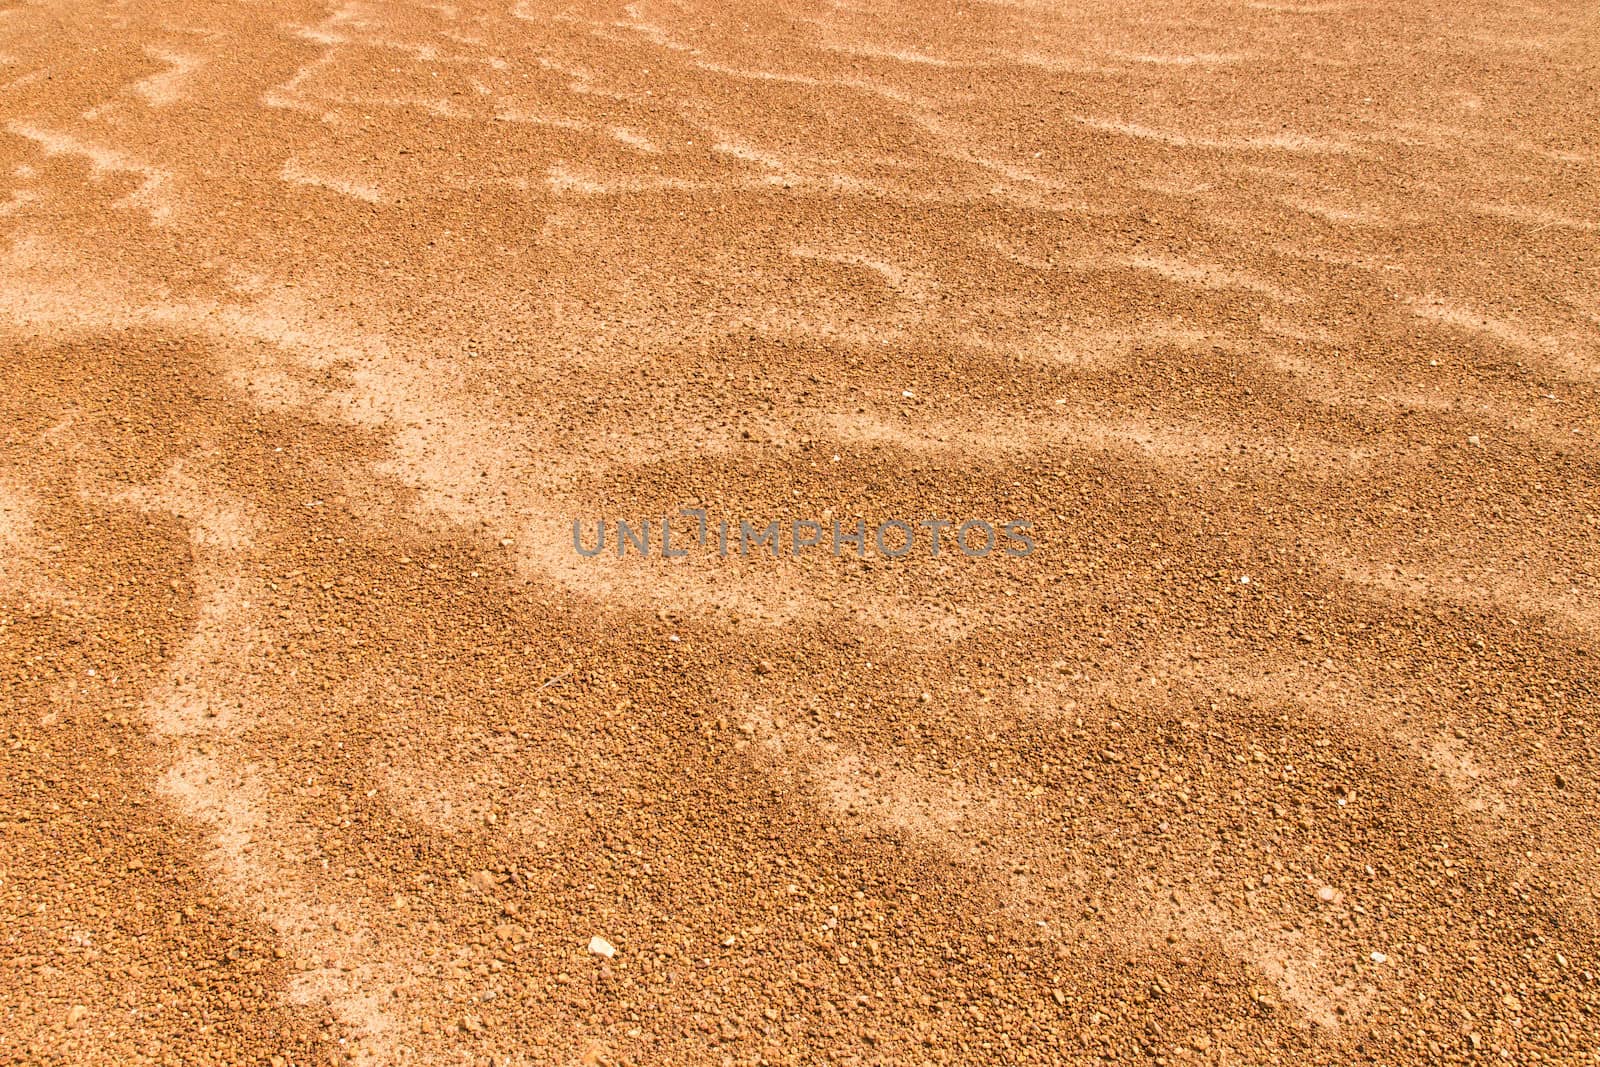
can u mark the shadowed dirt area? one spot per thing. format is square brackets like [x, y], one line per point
[320, 324]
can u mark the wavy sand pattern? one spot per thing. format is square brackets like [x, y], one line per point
[320, 323]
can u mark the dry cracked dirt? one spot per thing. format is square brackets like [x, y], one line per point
[321, 323]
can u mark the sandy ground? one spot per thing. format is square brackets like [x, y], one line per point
[320, 323]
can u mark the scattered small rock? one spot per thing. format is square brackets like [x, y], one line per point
[601, 947]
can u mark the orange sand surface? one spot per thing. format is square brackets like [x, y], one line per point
[320, 323]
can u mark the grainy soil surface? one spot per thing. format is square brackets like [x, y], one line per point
[320, 323]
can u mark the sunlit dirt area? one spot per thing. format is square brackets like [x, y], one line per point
[326, 737]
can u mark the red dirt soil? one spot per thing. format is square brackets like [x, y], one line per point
[319, 326]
